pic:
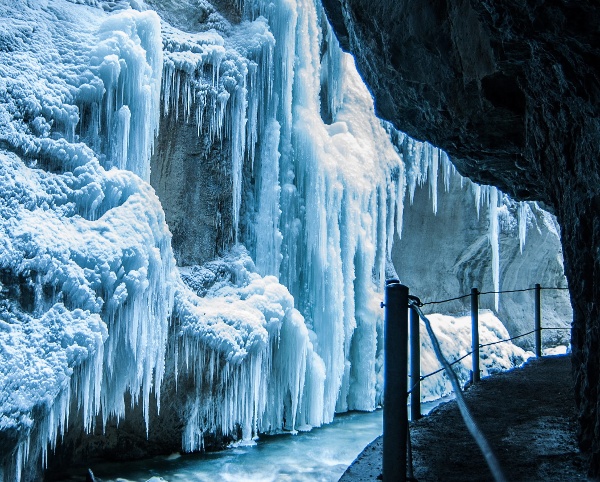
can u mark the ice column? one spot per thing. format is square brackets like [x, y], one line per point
[268, 236]
[494, 242]
[433, 158]
[523, 212]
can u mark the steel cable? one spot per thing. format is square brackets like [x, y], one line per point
[437, 302]
[423, 377]
[472, 426]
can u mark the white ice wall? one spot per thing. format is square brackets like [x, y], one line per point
[88, 274]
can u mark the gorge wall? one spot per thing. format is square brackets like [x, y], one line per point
[510, 91]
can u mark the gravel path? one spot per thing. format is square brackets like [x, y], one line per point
[528, 416]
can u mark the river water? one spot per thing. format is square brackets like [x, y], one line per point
[323, 454]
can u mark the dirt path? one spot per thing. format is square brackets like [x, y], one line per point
[527, 415]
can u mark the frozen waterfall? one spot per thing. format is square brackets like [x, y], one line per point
[279, 332]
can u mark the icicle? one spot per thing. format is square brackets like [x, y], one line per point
[494, 241]
[477, 195]
[399, 197]
[122, 127]
[523, 211]
[132, 77]
[268, 236]
[432, 173]
[449, 170]
[238, 148]
[330, 75]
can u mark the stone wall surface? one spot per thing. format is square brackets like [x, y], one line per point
[192, 178]
[510, 90]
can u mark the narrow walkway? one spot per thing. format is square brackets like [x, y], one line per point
[528, 416]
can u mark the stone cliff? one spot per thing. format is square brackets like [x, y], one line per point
[510, 91]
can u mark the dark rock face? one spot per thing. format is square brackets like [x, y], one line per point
[192, 178]
[511, 91]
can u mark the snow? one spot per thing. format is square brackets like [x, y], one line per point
[454, 336]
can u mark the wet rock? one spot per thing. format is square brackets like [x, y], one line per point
[192, 178]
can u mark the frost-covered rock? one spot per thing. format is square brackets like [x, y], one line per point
[88, 274]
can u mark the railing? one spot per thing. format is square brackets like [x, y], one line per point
[395, 417]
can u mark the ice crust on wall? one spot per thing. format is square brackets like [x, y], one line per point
[87, 270]
[287, 328]
[332, 257]
[228, 100]
[333, 160]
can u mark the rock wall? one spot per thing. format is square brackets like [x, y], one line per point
[192, 178]
[510, 91]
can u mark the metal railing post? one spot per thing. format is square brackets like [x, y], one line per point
[415, 366]
[475, 335]
[395, 416]
[538, 320]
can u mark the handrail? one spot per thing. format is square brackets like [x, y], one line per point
[424, 377]
[446, 301]
[472, 426]
[437, 302]
[415, 305]
[454, 362]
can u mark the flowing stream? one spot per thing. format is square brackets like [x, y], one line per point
[323, 454]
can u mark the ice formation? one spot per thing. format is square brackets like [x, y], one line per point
[88, 273]
[270, 372]
[326, 191]
[425, 164]
[454, 335]
[279, 334]
[493, 194]
[524, 214]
